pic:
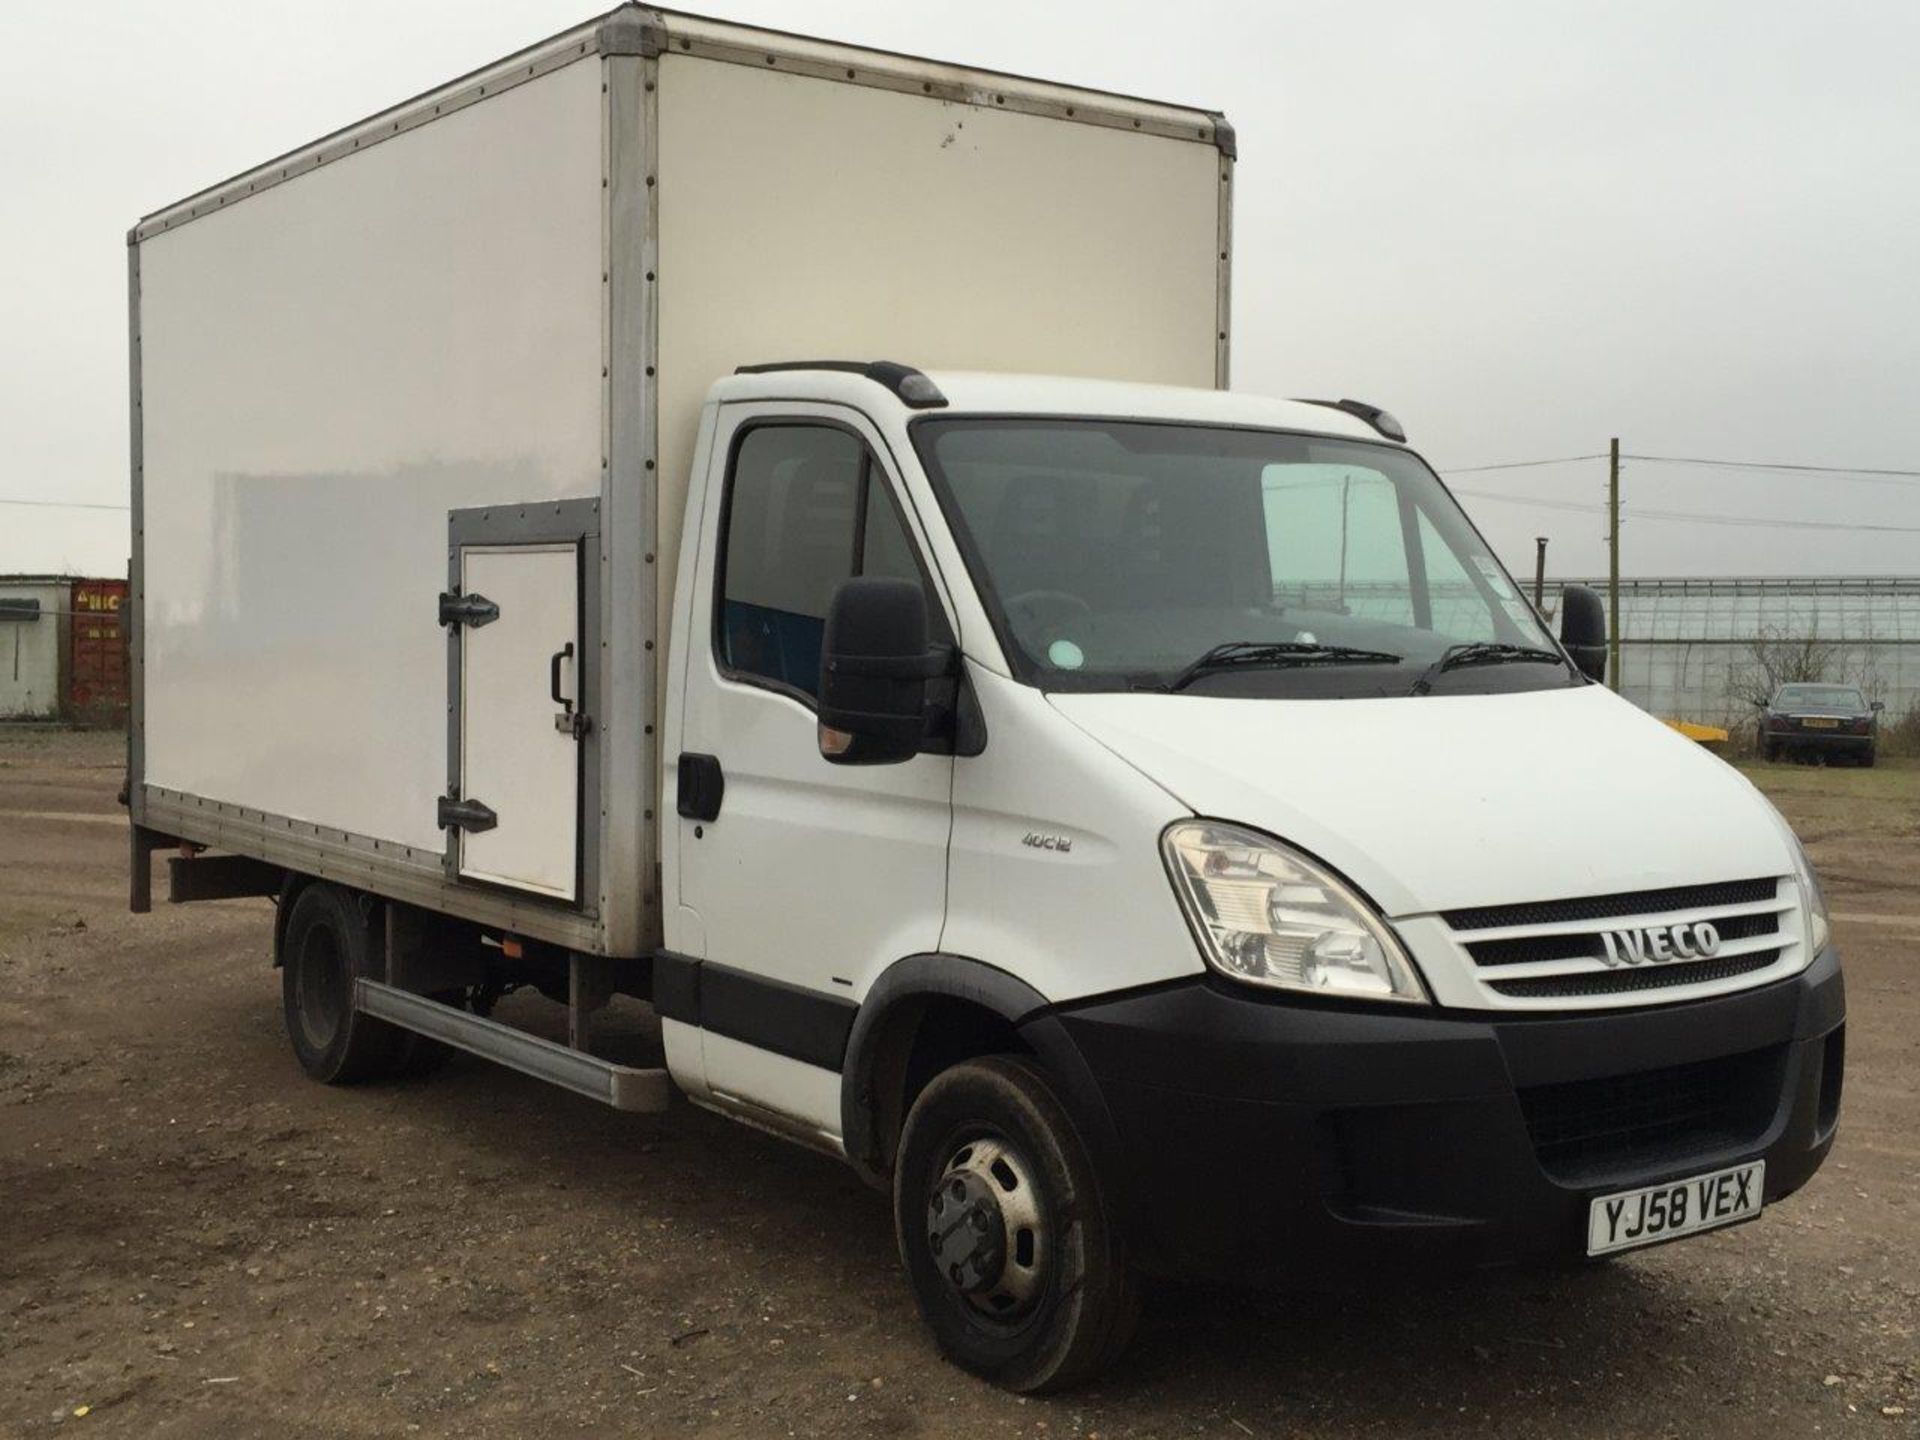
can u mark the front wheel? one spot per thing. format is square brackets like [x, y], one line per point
[1006, 1234]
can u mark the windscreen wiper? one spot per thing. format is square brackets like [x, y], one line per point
[1274, 655]
[1482, 652]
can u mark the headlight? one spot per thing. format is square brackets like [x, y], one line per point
[1265, 913]
[1819, 926]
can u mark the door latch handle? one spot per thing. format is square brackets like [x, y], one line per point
[563, 654]
[569, 721]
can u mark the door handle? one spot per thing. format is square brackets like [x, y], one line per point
[565, 652]
[702, 784]
[568, 721]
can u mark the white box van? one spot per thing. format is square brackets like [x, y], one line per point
[1140, 825]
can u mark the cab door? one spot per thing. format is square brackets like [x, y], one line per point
[807, 878]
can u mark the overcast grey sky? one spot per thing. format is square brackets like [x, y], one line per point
[1522, 226]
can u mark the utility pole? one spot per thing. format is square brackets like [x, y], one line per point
[1540, 574]
[1613, 564]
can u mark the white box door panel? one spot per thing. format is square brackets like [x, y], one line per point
[517, 674]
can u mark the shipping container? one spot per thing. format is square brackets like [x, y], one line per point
[96, 689]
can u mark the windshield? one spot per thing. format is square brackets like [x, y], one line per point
[1115, 554]
[1822, 697]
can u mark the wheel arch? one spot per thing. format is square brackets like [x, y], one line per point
[976, 1009]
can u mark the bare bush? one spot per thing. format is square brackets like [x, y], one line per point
[1902, 737]
[1777, 659]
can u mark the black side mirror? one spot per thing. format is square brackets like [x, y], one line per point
[1879, 705]
[875, 663]
[1583, 629]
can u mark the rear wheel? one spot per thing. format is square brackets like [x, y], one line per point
[1005, 1231]
[327, 946]
[1772, 753]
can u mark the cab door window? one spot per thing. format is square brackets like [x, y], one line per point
[806, 507]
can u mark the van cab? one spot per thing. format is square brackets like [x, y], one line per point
[1257, 889]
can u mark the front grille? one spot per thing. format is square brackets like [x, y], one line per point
[1597, 948]
[1525, 948]
[1606, 907]
[1585, 1128]
[1613, 982]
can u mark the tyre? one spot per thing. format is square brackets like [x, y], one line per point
[420, 1055]
[1867, 757]
[327, 946]
[1771, 754]
[1006, 1231]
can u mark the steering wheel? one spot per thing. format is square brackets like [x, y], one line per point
[1032, 606]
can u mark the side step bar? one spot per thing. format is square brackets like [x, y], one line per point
[621, 1086]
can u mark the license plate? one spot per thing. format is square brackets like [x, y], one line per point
[1821, 724]
[1681, 1207]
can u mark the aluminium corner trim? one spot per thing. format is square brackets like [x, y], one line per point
[1224, 138]
[1223, 295]
[134, 622]
[647, 33]
[726, 41]
[579, 43]
[411, 874]
[633, 643]
[631, 30]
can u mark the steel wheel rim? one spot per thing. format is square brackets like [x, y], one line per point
[987, 1230]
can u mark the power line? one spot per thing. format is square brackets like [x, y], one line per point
[66, 504]
[1696, 517]
[1862, 474]
[1520, 464]
[1860, 471]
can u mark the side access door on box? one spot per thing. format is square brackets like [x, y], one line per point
[522, 615]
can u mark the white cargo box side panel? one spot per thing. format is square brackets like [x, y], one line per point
[802, 218]
[327, 368]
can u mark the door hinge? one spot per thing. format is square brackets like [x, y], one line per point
[472, 611]
[453, 813]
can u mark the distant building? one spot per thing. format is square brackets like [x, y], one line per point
[63, 652]
[1694, 649]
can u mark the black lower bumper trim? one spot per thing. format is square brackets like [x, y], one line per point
[1825, 742]
[1268, 1140]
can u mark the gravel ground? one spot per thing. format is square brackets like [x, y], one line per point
[195, 1240]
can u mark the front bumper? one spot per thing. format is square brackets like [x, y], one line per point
[1824, 742]
[1266, 1140]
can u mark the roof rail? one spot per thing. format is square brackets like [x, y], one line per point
[1376, 417]
[910, 386]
